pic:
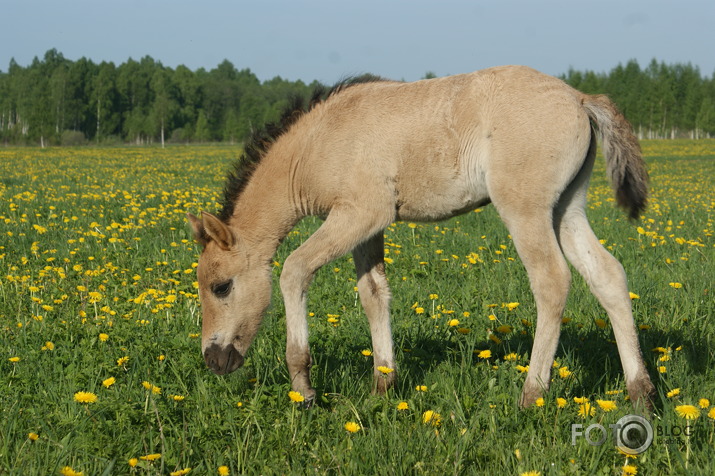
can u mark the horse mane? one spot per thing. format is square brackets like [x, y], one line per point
[261, 139]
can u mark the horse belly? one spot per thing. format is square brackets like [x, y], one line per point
[439, 200]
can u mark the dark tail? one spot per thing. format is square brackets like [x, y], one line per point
[624, 163]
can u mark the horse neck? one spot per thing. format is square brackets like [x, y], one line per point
[265, 213]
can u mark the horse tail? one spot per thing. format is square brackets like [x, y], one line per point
[624, 164]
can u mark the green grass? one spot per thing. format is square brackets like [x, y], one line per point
[112, 222]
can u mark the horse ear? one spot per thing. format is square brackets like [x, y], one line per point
[218, 231]
[197, 227]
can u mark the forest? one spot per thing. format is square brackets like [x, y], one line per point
[57, 101]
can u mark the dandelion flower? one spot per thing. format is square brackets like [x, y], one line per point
[522, 368]
[673, 393]
[421, 388]
[530, 473]
[33, 436]
[703, 403]
[85, 397]
[103, 337]
[419, 310]
[296, 396]
[561, 402]
[352, 427]
[511, 357]
[711, 413]
[151, 457]
[132, 462]
[676, 285]
[122, 361]
[453, 322]
[149, 386]
[633, 295]
[49, 345]
[689, 412]
[580, 400]
[564, 372]
[432, 417]
[14, 360]
[180, 472]
[384, 370]
[108, 382]
[586, 409]
[629, 470]
[223, 471]
[512, 305]
[484, 354]
[607, 405]
[177, 398]
[366, 352]
[402, 406]
[68, 471]
[539, 402]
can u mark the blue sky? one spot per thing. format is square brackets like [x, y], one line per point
[398, 39]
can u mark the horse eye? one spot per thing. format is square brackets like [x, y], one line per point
[222, 289]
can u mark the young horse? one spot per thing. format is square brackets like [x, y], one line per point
[373, 152]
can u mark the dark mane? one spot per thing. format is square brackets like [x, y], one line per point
[262, 139]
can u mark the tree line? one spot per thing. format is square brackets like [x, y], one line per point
[55, 100]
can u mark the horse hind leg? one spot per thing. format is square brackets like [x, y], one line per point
[533, 234]
[607, 281]
[375, 298]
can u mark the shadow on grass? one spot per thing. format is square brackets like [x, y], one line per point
[593, 352]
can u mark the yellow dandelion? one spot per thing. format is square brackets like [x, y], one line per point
[180, 472]
[122, 361]
[580, 400]
[711, 413]
[561, 402]
[453, 322]
[539, 402]
[689, 412]
[531, 473]
[662, 369]
[511, 357]
[512, 305]
[223, 471]
[68, 471]
[676, 285]
[633, 295]
[296, 396]
[607, 405]
[48, 346]
[421, 388]
[564, 372]
[384, 370]
[484, 354]
[103, 337]
[432, 417]
[629, 470]
[33, 436]
[85, 397]
[586, 410]
[132, 462]
[522, 368]
[152, 387]
[151, 457]
[108, 382]
[402, 406]
[14, 360]
[352, 427]
[419, 310]
[673, 393]
[703, 403]
[177, 398]
[366, 352]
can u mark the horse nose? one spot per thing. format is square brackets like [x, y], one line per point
[223, 360]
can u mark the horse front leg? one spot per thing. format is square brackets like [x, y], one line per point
[343, 230]
[375, 298]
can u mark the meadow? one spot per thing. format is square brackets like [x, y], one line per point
[100, 364]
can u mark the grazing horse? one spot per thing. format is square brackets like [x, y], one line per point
[370, 152]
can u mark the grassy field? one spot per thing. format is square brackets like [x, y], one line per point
[100, 365]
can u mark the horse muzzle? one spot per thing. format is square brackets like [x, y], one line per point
[223, 360]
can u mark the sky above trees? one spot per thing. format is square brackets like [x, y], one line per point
[400, 39]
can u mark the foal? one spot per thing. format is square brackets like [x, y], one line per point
[362, 155]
